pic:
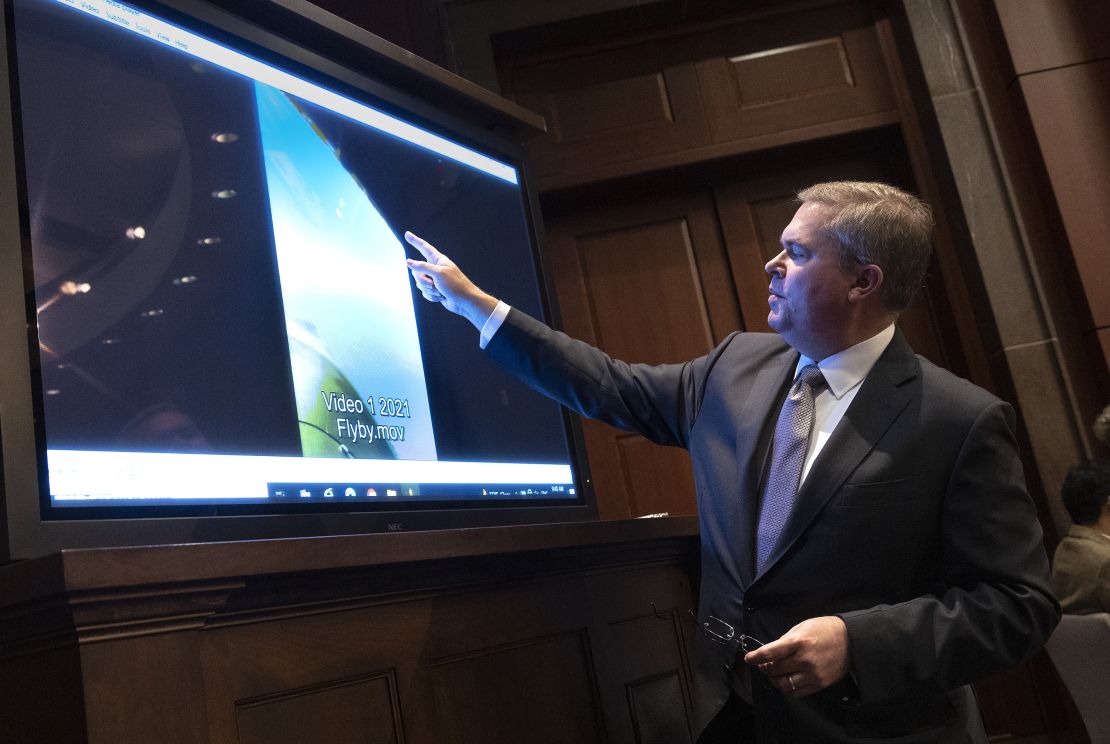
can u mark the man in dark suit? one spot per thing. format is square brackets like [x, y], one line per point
[862, 511]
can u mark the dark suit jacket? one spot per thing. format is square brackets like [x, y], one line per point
[913, 525]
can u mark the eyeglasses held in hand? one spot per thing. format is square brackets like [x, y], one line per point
[716, 630]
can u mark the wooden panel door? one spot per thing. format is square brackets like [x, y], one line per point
[646, 281]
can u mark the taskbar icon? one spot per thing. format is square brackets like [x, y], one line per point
[340, 492]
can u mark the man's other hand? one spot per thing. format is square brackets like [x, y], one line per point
[807, 658]
[440, 280]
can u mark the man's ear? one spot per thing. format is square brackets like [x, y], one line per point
[867, 284]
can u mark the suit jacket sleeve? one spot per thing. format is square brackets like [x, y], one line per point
[658, 401]
[994, 608]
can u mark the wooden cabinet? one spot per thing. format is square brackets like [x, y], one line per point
[611, 107]
[791, 71]
[702, 91]
[498, 635]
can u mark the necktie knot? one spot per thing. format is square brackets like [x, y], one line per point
[810, 376]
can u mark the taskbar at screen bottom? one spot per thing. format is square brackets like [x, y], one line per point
[354, 493]
[378, 492]
[383, 495]
[79, 478]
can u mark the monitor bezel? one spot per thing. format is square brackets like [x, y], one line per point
[292, 33]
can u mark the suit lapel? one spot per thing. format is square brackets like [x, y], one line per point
[762, 403]
[880, 400]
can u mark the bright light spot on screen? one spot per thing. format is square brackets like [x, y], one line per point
[53, 391]
[154, 313]
[225, 194]
[74, 288]
[185, 279]
[136, 233]
[224, 138]
[111, 341]
[209, 241]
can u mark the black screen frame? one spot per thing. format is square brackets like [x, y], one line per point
[311, 43]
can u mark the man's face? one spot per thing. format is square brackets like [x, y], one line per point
[808, 294]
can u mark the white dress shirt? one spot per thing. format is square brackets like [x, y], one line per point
[843, 371]
[493, 322]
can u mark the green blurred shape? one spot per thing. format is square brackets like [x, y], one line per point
[320, 436]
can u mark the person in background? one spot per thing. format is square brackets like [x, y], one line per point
[1081, 566]
[1102, 427]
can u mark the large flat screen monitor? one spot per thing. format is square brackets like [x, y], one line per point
[208, 325]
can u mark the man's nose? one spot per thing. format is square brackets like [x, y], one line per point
[774, 266]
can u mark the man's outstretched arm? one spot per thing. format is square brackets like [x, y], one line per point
[654, 400]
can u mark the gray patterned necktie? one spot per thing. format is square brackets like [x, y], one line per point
[788, 453]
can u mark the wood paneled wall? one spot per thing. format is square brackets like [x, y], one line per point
[663, 273]
[1059, 57]
[672, 154]
[668, 174]
[700, 92]
[542, 634]
[1060, 53]
[410, 24]
[1040, 334]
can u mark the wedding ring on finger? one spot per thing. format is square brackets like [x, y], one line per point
[790, 678]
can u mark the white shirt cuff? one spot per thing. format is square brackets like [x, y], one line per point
[493, 322]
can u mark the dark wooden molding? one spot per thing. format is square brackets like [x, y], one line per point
[313, 27]
[88, 569]
[709, 154]
[109, 593]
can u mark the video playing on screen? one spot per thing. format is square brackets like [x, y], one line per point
[224, 314]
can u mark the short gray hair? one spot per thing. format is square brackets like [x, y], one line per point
[875, 223]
